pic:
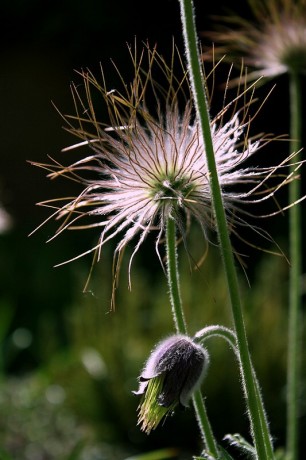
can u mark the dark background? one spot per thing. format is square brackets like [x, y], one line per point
[42, 44]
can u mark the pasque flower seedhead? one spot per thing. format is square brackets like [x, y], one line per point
[273, 42]
[148, 164]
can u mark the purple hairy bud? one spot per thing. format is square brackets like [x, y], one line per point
[174, 370]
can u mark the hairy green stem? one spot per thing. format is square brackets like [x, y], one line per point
[180, 326]
[294, 321]
[173, 279]
[229, 336]
[210, 443]
[217, 331]
[259, 430]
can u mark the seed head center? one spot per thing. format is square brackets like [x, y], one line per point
[171, 188]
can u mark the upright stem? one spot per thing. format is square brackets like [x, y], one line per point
[180, 326]
[173, 280]
[260, 431]
[294, 331]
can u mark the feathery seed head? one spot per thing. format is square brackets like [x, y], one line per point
[149, 165]
[273, 43]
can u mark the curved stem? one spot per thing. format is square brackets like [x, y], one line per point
[294, 321]
[217, 331]
[260, 433]
[229, 336]
[180, 326]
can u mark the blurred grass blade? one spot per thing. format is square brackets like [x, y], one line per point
[76, 451]
[161, 454]
[4, 455]
[6, 318]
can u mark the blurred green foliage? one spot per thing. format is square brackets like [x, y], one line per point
[70, 364]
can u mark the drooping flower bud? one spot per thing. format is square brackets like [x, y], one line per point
[174, 370]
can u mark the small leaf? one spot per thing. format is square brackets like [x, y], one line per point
[207, 457]
[238, 441]
[223, 455]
